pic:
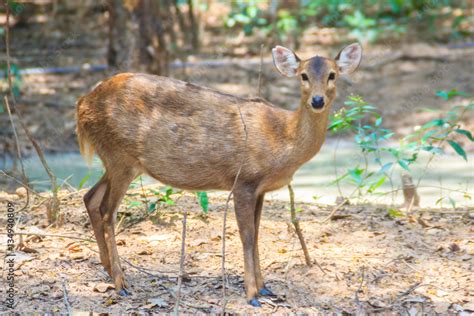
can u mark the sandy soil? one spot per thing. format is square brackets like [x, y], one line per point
[372, 262]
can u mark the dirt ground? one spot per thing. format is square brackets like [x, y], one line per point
[421, 264]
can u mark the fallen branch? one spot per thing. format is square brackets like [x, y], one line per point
[296, 224]
[260, 72]
[181, 264]
[49, 235]
[66, 298]
[54, 205]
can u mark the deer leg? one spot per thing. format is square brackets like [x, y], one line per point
[118, 185]
[92, 200]
[245, 201]
[262, 289]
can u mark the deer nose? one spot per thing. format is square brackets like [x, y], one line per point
[317, 102]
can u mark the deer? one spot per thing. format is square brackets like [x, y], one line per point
[195, 138]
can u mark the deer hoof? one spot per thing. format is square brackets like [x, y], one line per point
[124, 292]
[255, 303]
[266, 292]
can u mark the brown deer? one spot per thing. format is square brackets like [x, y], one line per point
[193, 138]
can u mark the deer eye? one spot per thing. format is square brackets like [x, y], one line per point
[332, 76]
[304, 77]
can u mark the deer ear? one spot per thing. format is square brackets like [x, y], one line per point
[285, 61]
[349, 58]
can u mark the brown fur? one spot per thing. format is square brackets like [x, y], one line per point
[192, 138]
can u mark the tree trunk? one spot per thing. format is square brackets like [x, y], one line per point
[194, 26]
[136, 36]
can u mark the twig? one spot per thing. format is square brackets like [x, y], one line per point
[335, 166]
[3, 172]
[296, 224]
[181, 264]
[49, 235]
[17, 141]
[66, 298]
[224, 301]
[260, 72]
[55, 201]
[10, 92]
[54, 187]
[338, 207]
[425, 169]
[358, 290]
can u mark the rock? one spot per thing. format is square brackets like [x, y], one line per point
[21, 192]
[469, 306]
[441, 307]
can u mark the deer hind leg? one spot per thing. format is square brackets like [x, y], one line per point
[262, 289]
[245, 202]
[92, 200]
[117, 187]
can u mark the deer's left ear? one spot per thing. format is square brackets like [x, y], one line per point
[349, 58]
[285, 61]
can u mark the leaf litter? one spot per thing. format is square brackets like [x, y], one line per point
[372, 262]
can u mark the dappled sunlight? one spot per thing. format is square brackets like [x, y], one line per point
[370, 259]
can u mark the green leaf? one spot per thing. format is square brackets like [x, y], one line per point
[203, 201]
[452, 201]
[378, 121]
[465, 133]
[395, 213]
[356, 174]
[403, 164]
[386, 167]
[135, 204]
[376, 185]
[428, 135]
[459, 150]
[436, 122]
[451, 93]
[83, 181]
[433, 149]
[152, 207]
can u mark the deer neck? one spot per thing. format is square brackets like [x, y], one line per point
[310, 132]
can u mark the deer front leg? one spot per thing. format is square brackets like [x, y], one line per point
[245, 202]
[262, 289]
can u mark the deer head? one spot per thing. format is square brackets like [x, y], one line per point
[318, 75]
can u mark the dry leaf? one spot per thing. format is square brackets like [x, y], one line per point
[121, 242]
[197, 242]
[156, 301]
[103, 287]
[145, 252]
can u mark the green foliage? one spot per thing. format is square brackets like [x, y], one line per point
[16, 79]
[367, 20]
[203, 201]
[394, 213]
[161, 197]
[247, 15]
[84, 180]
[362, 120]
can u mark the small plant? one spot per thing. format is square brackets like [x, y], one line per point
[203, 201]
[362, 120]
[161, 198]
